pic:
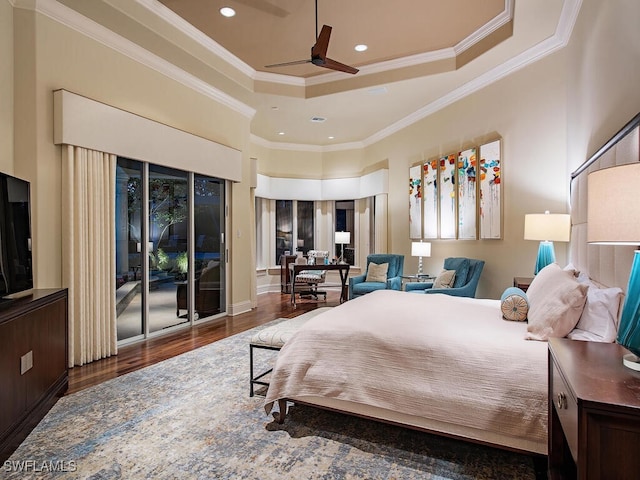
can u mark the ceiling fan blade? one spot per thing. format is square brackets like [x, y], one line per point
[286, 64]
[266, 7]
[319, 50]
[341, 67]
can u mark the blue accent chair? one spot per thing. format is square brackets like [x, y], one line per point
[358, 286]
[461, 288]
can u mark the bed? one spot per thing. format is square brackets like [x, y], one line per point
[453, 365]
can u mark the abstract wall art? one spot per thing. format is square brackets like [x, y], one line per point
[490, 190]
[430, 194]
[415, 201]
[447, 187]
[467, 194]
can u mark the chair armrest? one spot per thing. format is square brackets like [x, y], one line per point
[356, 279]
[421, 286]
[394, 283]
[455, 292]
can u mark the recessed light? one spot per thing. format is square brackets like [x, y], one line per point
[360, 48]
[227, 12]
[331, 137]
[280, 133]
[377, 91]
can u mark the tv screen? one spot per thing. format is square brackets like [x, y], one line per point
[16, 271]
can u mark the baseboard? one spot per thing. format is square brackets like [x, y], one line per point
[238, 308]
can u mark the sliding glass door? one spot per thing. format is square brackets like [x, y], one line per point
[129, 259]
[170, 254]
[168, 243]
[209, 253]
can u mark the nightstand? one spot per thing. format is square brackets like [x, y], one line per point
[522, 282]
[594, 412]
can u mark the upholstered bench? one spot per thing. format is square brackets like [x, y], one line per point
[274, 338]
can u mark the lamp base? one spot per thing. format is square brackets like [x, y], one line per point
[546, 255]
[631, 361]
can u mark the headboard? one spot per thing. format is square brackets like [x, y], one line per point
[605, 264]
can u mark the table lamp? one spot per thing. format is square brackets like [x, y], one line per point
[613, 217]
[343, 238]
[547, 228]
[420, 249]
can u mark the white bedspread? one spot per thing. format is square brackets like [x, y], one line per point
[449, 359]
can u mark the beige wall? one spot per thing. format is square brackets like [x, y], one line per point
[550, 115]
[50, 56]
[603, 75]
[532, 127]
[6, 87]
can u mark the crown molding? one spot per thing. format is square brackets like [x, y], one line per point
[409, 61]
[172, 18]
[91, 29]
[301, 147]
[81, 24]
[560, 39]
[503, 18]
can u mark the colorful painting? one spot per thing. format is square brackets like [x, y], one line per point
[447, 187]
[467, 196]
[415, 202]
[490, 190]
[430, 194]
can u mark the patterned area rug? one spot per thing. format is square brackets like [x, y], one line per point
[192, 417]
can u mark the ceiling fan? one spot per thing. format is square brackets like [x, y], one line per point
[319, 53]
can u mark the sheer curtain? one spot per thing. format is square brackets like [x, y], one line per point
[88, 256]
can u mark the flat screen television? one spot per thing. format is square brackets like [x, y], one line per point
[16, 269]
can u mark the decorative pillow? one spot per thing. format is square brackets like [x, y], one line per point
[556, 301]
[599, 318]
[377, 272]
[445, 279]
[514, 304]
[461, 266]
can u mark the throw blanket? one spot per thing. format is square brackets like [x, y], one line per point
[440, 357]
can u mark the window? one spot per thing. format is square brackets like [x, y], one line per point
[297, 225]
[345, 222]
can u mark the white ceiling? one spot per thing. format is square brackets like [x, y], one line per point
[423, 55]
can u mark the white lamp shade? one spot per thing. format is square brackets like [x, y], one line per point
[420, 249]
[343, 237]
[552, 227]
[613, 216]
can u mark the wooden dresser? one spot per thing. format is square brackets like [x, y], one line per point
[594, 412]
[33, 362]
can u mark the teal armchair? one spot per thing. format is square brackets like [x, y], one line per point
[468, 272]
[358, 286]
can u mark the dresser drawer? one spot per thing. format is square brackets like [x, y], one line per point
[567, 410]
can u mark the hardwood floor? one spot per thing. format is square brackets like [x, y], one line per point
[139, 355]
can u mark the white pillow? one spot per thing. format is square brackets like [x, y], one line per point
[556, 301]
[599, 318]
[377, 272]
[445, 279]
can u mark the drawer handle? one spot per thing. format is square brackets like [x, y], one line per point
[561, 400]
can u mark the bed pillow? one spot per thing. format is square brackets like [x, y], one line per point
[599, 318]
[556, 301]
[445, 279]
[377, 272]
[461, 266]
[514, 304]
